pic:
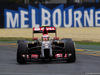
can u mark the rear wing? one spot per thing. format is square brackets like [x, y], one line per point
[41, 29]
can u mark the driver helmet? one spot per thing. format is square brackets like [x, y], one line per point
[45, 37]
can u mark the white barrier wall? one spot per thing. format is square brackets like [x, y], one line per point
[77, 34]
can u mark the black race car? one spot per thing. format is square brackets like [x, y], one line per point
[45, 48]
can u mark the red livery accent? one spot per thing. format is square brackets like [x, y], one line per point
[56, 38]
[28, 57]
[34, 56]
[35, 38]
[65, 56]
[60, 55]
[42, 28]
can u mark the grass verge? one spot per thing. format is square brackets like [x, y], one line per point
[87, 43]
[13, 39]
[30, 39]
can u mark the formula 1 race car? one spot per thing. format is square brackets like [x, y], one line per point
[45, 48]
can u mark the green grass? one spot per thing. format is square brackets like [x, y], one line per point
[87, 43]
[30, 39]
[13, 39]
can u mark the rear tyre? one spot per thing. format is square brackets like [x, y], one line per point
[22, 49]
[68, 39]
[70, 49]
[21, 41]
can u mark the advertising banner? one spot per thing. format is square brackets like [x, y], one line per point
[54, 15]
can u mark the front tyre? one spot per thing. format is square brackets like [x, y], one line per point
[70, 51]
[22, 49]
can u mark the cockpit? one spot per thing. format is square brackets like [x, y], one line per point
[45, 38]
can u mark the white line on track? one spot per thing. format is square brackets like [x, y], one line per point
[32, 74]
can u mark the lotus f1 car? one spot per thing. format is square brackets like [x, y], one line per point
[45, 48]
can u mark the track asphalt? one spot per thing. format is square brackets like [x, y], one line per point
[87, 63]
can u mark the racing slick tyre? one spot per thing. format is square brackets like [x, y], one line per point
[21, 41]
[68, 39]
[22, 49]
[70, 51]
